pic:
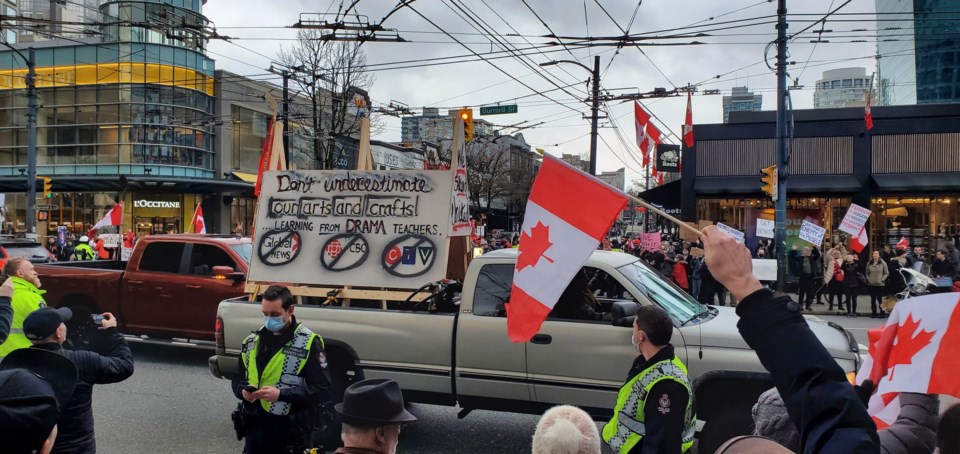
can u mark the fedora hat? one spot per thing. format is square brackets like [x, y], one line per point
[373, 403]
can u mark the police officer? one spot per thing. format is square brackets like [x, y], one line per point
[83, 251]
[285, 378]
[654, 412]
[27, 297]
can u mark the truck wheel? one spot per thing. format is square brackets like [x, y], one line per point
[733, 420]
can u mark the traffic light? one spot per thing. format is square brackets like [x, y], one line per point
[466, 115]
[47, 187]
[769, 179]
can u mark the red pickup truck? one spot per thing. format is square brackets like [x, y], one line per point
[169, 289]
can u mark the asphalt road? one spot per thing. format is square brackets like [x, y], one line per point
[173, 405]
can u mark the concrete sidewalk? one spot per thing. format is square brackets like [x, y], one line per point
[863, 306]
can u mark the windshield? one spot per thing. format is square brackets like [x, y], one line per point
[33, 252]
[676, 302]
[244, 250]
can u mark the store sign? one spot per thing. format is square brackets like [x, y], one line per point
[394, 159]
[156, 204]
[668, 158]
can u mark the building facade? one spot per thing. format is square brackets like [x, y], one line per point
[128, 116]
[843, 87]
[8, 8]
[433, 127]
[741, 99]
[918, 51]
[906, 170]
[576, 161]
[75, 11]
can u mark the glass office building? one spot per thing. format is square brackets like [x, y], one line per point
[919, 51]
[131, 110]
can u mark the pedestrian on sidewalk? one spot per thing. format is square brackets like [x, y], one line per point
[373, 415]
[833, 278]
[851, 284]
[896, 282]
[877, 273]
[808, 268]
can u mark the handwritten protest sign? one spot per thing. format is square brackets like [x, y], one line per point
[854, 220]
[765, 228]
[736, 234]
[382, 226]
[812, 233]
[696, 252]
[687, 235]
[765, 270]
[650, 241]
[460, 203]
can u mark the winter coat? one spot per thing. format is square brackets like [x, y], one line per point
[680, 275]
[816, 266]
[820, 401]
[75, 427]
[895, 283]
[830, 268]
[877, 274]
[915, 429]
[851, 273]
[941, 269]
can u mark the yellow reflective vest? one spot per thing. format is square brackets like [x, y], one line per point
[83, 251]
[626, 428]
[279, 372]
[26, 299]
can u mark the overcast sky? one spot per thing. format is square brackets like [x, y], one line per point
[735, 53]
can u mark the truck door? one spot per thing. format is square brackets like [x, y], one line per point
[203, 292]
[489, 365]
[148, 296]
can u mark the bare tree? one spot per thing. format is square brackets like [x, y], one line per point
[333, 74]
[488, 172]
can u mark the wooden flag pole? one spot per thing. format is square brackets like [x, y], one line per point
[683, 225]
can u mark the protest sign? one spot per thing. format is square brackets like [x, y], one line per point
[381, 226]
[696, 252]
[765, 228]
[687, 235]
[812, 233]
[650, 241]
[125, 254]
[110, 240]
[460, 202]
[736, 234]
[855, 219]
[765, 270]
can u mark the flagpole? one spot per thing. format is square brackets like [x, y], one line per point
[649, 207]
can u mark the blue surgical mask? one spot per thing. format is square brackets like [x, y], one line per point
[273, 323]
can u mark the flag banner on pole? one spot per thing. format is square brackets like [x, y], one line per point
[199, 226]
[915, 352]
[567, 214]
[113, 217]
[648, 136]
[688, 122]
[868, 113]
[859, 242]
[264, 157]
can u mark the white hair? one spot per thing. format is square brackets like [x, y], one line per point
[566, 430]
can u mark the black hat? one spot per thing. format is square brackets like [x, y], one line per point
[35, 385]
[43, 322]
[373, 403]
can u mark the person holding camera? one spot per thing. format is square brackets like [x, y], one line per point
[45, 327]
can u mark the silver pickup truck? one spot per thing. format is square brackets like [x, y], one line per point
[462, 356]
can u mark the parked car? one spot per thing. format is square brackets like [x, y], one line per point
[169, 289]
[31, 250]
[457, 352]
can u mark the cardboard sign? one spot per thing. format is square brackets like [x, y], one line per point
[460, 202]
[854, 220]
[812, 233]
[110, 240]
[696, 252]
[650, 241]
[704, 224]
[352, 228]
[125, 254]
[765, 269]
[689, 236]
[736, 234]
[765, 228]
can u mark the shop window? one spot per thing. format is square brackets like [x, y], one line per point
[162, 257]
[204, 257]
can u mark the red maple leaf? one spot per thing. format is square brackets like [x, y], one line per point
[534, 246]
[908, 343]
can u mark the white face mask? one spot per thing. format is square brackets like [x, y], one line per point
[633, 341]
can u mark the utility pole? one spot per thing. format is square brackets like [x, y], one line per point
[31, 221]
[594, 114]
[285, 112]
[783, 157]
[316, 124]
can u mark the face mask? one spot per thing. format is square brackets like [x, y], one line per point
[633, 341]
[273, 323]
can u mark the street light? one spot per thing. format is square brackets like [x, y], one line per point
[594, 106]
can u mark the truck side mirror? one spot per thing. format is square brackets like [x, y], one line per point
[624, 312]
[227, 272]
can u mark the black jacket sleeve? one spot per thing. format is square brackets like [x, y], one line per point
[115, 363]
[821, 403]
[317, 377]
[663, 414]
[6, 318]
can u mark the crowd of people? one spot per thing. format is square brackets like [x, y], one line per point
[84, 248]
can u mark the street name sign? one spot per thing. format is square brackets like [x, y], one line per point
[498, 110]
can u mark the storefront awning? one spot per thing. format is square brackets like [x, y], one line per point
[911, 183]
[798, 184]
[667, 196]
[247, 177]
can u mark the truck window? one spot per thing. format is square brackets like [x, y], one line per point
[206, 256]
[493, 290]
[579, 300]
[162, 257]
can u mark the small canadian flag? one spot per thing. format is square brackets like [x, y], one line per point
[858, 243]
[199, 226]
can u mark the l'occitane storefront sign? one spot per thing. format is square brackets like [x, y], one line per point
[109, 73]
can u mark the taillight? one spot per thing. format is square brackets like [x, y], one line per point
[218, 332]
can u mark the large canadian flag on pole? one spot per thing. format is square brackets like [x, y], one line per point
[273, 156]
[648, 136]
[199, 226]
[915, 351]
[113, 217]
[567, 214]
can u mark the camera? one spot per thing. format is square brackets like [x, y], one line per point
[97, 319]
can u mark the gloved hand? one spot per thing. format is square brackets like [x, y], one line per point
[864, 391]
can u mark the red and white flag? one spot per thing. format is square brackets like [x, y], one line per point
[567, 214]
[859, 242]
[688, 123]
[199, 226]
[915, 352]
[648, 136]
[867, 114]
[273, 155]
[903, 243]
[113, 217]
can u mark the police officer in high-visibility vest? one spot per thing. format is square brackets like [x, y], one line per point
[83, 251]
[655, 411]
[285, 378]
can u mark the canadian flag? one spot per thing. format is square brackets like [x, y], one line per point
[903, 243]
[567, 214]
[867, 113]
[915, 352]
[199, 226]
[859, 242]
[273, 156]
[688, 123]
[648, 136]
[113, 217]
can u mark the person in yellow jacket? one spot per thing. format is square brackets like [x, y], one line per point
[285, 376]
[655, 411]
[27, 297]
